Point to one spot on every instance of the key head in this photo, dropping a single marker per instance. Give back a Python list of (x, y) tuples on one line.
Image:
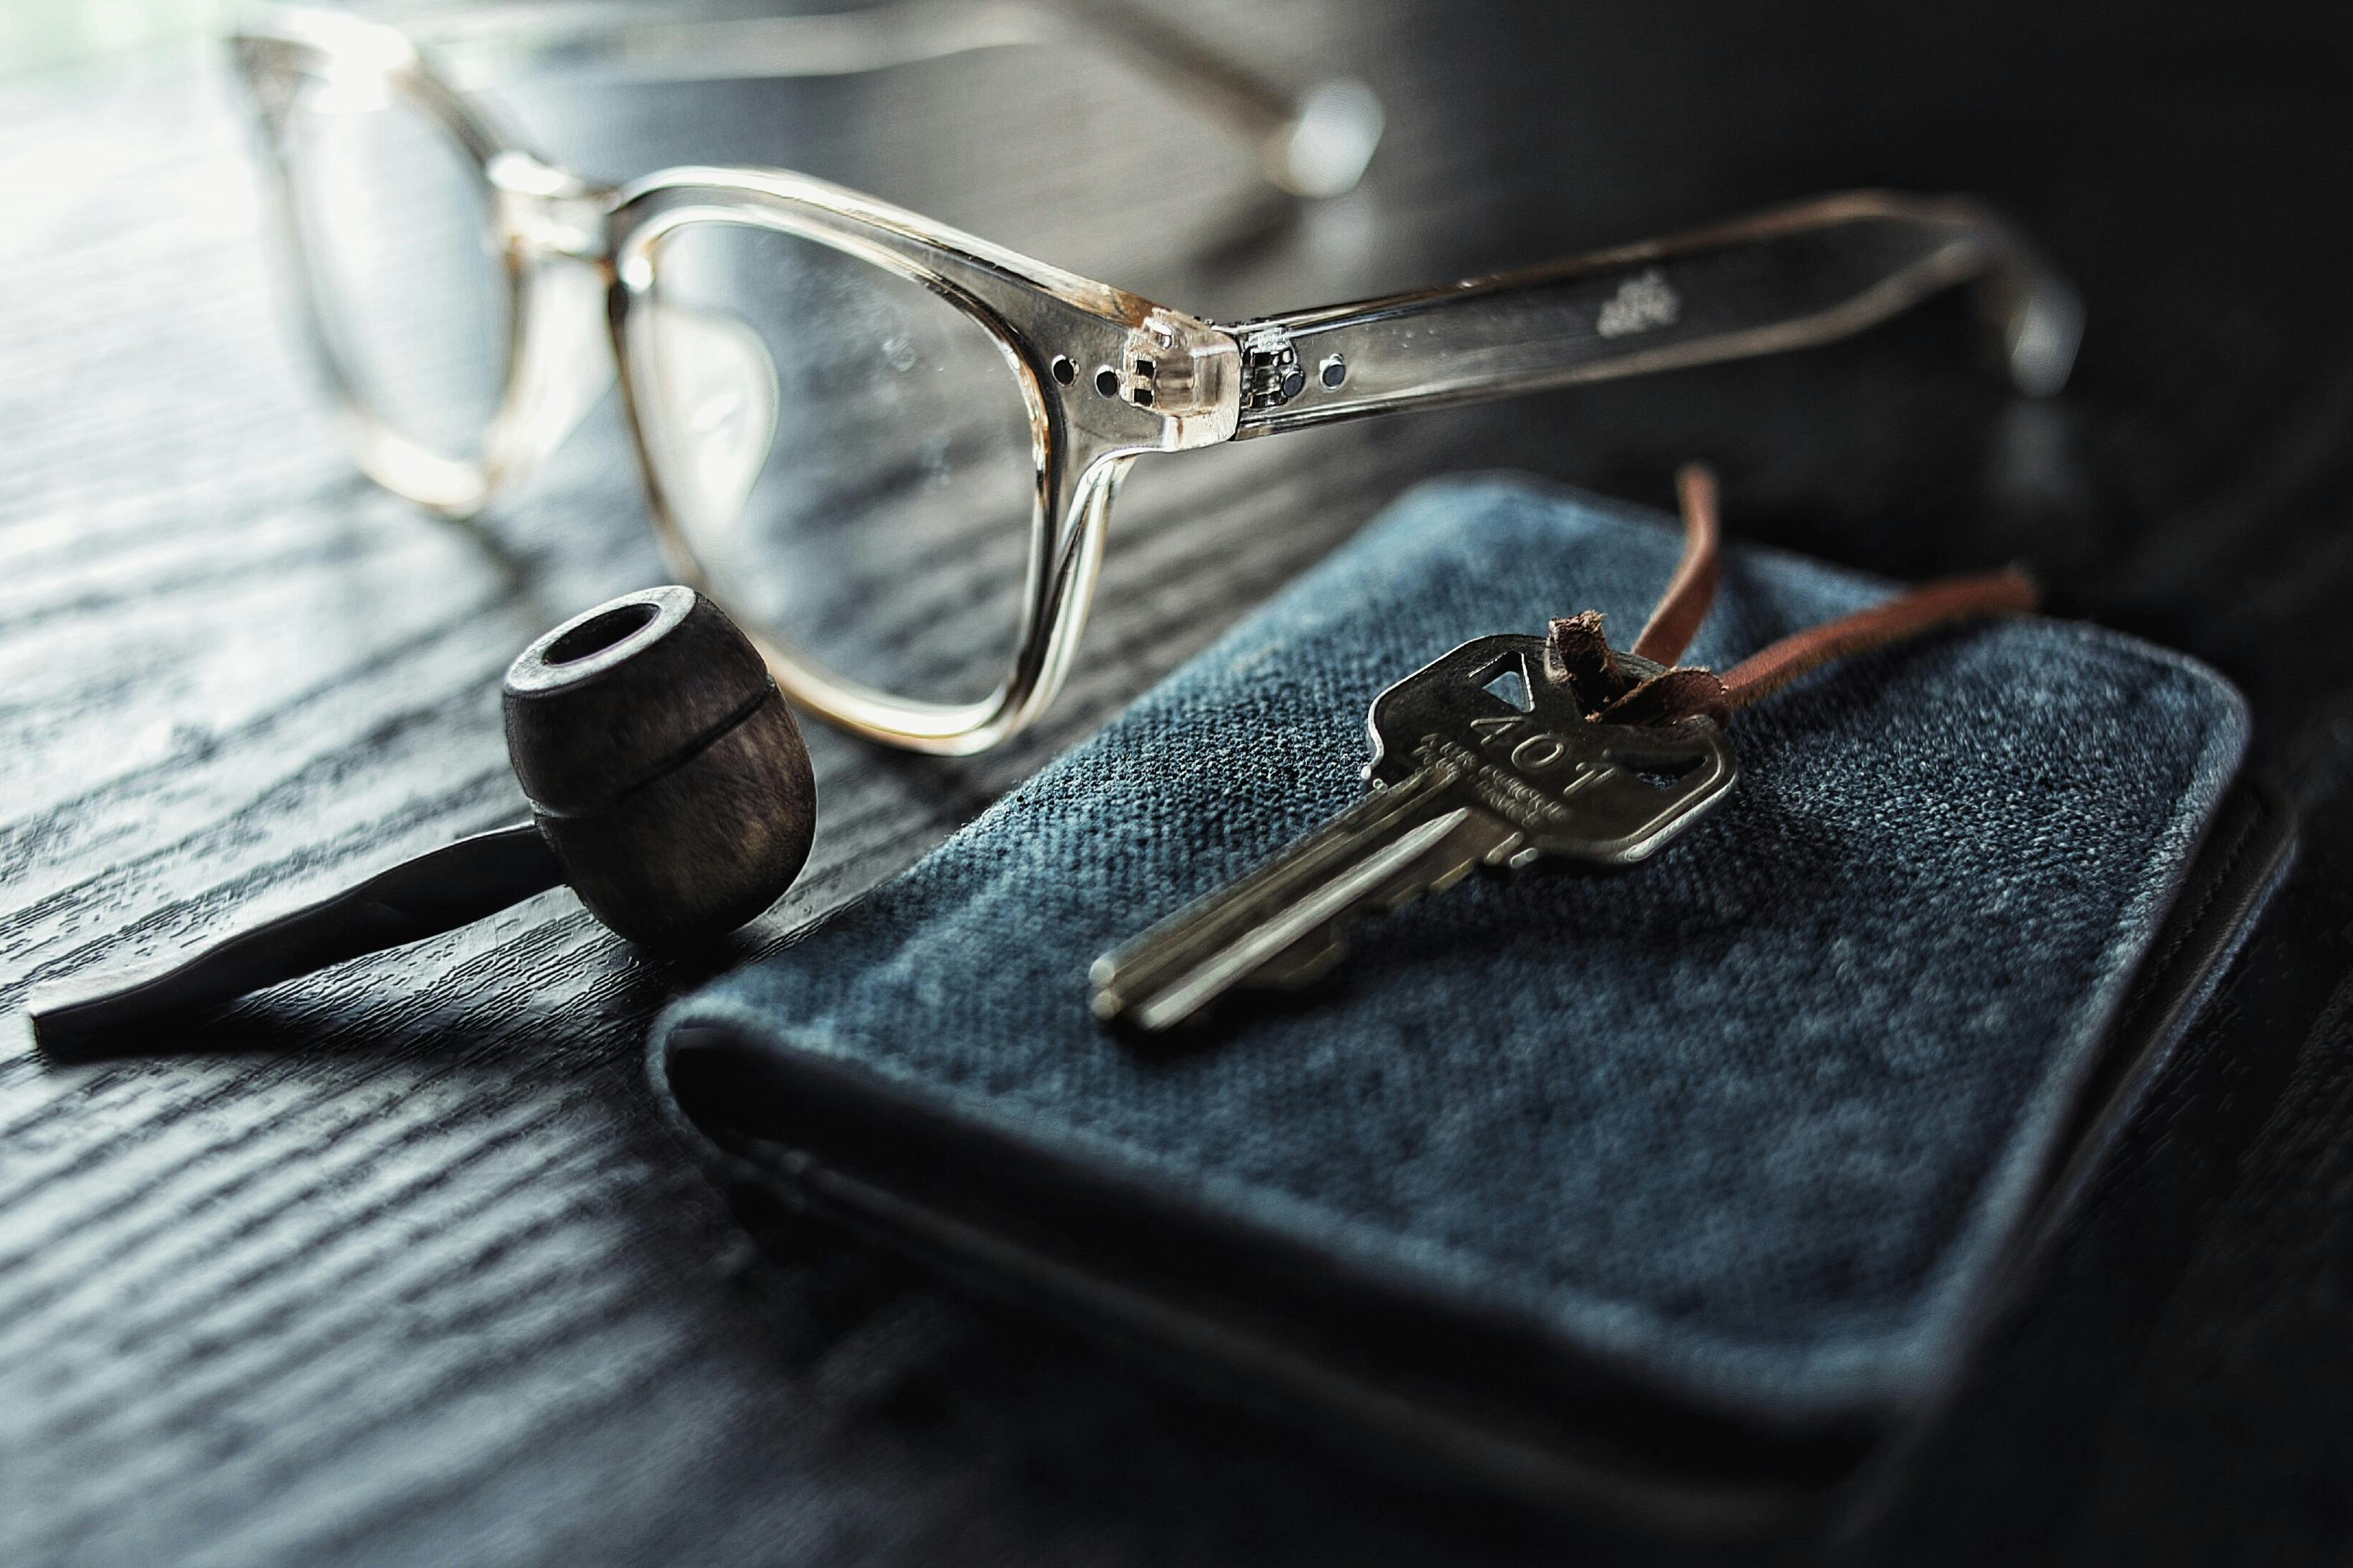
[(1518, 746), (661, 765)]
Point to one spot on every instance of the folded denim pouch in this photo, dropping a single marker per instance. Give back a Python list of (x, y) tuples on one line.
[(1685, 1186)]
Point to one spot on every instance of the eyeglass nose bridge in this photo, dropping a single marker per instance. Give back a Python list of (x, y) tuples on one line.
[(554, 229), (549, 213)]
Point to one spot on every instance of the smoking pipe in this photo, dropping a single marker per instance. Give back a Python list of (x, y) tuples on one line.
[(669, 787)]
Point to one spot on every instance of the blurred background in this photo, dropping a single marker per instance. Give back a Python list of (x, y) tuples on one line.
[(52, 38), (402, 1267)]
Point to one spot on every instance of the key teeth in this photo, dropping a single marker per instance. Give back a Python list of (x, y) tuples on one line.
[(1480, 794), (1290, 973), (1438, 884)]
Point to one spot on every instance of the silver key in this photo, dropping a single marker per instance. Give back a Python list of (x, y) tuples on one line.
[(1464, 777)]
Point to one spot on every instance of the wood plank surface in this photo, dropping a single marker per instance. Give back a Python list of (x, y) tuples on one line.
[(397, 1265)]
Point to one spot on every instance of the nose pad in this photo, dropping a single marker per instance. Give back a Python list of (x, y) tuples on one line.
[(716, 383), (567, 364)]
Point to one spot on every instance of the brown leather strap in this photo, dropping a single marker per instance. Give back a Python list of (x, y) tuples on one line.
[(1577, 655), (2010, 592), (1684, 605)]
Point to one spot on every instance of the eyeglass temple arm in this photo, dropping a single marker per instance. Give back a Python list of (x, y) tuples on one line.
[(1311, 141), (1792, 277)]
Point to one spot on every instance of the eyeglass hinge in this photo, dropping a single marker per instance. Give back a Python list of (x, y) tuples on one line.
[(1271, 374), (1182, 369)]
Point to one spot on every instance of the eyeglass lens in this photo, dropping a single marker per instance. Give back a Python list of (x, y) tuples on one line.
[(411, 292), (848, 454)]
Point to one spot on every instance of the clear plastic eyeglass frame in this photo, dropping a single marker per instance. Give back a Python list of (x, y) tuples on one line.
[(1106, 377)]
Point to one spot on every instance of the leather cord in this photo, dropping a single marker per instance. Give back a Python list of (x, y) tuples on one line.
[(1685, 603), (1576, 654), (2008, 592)]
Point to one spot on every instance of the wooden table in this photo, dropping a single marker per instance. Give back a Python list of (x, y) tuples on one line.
[(396, 1265)]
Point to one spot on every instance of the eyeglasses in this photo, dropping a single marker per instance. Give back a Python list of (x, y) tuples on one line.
[(832, 398)]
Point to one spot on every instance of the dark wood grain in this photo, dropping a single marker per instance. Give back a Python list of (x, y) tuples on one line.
[(396, 1264)]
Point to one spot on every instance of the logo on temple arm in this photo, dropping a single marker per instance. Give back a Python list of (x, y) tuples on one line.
[(1641, 302)]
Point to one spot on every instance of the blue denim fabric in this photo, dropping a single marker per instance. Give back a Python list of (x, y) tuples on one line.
[(1755, 1117)]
